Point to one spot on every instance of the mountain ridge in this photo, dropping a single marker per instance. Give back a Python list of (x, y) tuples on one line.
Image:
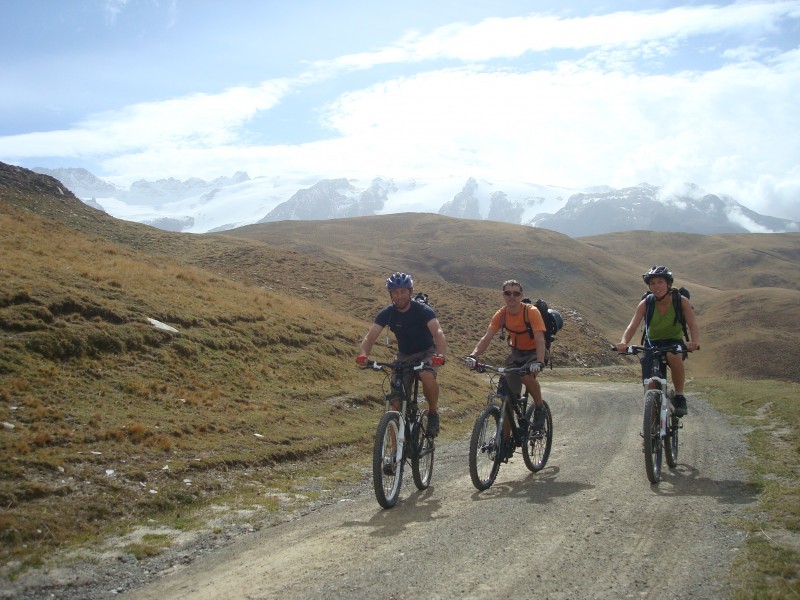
[(226, 203)]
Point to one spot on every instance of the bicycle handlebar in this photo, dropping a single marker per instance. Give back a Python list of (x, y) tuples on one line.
[(481, 367), (674, 349), (378, 365)]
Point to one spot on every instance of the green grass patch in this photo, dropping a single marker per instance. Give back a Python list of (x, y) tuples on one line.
[(768, 567)]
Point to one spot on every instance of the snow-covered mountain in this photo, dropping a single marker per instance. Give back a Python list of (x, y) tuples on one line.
[(647, 207), (198, 206)]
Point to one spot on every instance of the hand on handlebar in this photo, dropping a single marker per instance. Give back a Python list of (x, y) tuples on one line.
[(535, 368), (362, 360), (471, 361), (437, 360)]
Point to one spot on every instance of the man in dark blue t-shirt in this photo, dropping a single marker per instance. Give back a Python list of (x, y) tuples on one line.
[(419, 338)]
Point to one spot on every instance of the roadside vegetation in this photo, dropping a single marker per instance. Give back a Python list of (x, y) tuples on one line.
[(768, 566)]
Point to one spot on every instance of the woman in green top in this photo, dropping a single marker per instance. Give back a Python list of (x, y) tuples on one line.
[(664, 329)]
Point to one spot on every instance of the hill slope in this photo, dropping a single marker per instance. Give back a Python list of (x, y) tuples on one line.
[(111, 420)]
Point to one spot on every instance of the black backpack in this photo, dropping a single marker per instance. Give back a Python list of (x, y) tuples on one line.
[(676, 304), (552, 321), (422, 299)]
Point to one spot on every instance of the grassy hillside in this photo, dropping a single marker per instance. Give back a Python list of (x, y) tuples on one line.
[(745, 288), (725, 262), (108, 420)]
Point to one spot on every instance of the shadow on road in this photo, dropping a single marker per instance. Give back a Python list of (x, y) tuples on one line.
[(420, 506), (685, 480), (539, 488)]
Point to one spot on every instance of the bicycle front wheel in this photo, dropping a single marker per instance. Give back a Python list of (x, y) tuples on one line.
[(484, 448), (387, 469), (422, 453), (536, 449), (651, 433)]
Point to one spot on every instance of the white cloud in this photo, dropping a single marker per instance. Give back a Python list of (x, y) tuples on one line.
[(598, 118)]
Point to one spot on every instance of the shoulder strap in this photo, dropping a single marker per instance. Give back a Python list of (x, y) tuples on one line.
[(650, 306), (677, 303), (525, 308)]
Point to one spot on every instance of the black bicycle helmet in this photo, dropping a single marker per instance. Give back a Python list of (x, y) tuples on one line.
[(399, 280), (658, 272), (559, 320)]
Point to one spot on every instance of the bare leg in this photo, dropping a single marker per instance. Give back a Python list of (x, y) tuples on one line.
[(675, 362), (430, 387)]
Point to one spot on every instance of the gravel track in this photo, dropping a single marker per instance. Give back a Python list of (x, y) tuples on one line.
[(589, 525)]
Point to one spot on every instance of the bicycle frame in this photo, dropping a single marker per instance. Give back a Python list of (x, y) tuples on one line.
[(401, 434), (658, 376), (407, 394), (489, 447), (658, 396), (510, 407)]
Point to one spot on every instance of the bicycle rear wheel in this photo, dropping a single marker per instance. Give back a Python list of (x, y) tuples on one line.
[(484, 449), (651, 432), (536, 449), (387, 470), (422, 452), (671, 442)]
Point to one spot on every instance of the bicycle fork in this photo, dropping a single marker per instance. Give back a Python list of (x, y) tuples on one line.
[(401, 430)]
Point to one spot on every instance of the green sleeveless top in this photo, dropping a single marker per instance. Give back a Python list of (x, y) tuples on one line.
[(664, 327)]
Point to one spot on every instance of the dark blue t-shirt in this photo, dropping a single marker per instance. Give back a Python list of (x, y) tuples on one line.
[(410, 327)]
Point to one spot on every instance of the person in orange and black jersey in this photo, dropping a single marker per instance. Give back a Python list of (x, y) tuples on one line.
[(526, 329)]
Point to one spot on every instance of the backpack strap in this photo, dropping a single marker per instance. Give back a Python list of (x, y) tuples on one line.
[(528, 327), (677, 303)]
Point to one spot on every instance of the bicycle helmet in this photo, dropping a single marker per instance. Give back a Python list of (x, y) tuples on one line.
[(559, 320), (659, 272), (399, 280)]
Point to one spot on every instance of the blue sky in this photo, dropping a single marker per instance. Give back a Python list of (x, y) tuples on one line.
[(544, 91)]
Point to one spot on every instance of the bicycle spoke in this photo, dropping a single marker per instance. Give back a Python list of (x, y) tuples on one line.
[(422, 453), (484, 458), (387, 470)]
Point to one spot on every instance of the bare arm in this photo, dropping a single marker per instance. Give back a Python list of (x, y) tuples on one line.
[(369, 339), (538, 337), (638, 315), (438, 336), (691, 323), (484, 342)]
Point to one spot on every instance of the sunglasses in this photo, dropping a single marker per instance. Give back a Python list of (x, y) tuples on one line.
[(514, 293)]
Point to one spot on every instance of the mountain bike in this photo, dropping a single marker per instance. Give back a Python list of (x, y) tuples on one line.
[(489, 446), (660, 425), (402, 434)]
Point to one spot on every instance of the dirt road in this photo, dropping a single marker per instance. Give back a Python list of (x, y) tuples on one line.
[(588, 526)]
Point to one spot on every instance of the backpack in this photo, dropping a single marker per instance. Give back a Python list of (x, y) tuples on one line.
[(422, 299), (676, 304), (552, 320)]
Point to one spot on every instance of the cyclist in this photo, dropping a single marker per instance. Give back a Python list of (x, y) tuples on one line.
[(664, 329), (526, 337), (419, 338)]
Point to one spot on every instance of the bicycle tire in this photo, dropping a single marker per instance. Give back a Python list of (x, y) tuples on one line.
[(387, 475), (671, 442), (536, 449), (484, 451), (422, 453), (651, 432)]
